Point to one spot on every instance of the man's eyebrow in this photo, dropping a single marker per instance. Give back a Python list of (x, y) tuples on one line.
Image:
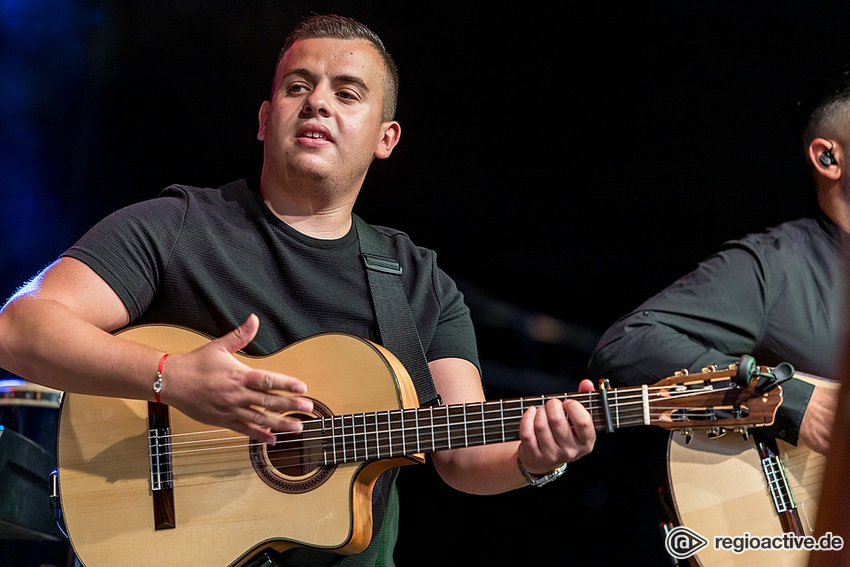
[(352, 79), (298, 71)]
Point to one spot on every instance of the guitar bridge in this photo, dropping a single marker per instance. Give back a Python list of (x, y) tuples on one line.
[(162, 477), (777, 483), (778, 486)]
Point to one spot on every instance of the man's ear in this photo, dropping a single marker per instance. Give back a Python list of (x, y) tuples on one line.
[(825, 156), (263, 117), (390, 135)]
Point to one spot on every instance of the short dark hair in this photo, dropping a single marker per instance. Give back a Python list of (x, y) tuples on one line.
[(824, 108), (340, 27)]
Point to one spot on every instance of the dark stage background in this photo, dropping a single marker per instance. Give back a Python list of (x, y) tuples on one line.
[(566, 162)]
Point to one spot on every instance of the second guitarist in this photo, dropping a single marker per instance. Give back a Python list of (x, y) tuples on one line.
[(779, 295)]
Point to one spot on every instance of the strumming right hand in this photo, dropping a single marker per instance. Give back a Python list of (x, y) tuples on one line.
[(210, 385)]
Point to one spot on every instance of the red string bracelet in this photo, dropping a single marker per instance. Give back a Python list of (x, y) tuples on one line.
[(157, 385)]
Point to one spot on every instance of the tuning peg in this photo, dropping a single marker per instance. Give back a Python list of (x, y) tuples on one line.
[(745, 432), (688, 433), (715, 432), (709, 368)]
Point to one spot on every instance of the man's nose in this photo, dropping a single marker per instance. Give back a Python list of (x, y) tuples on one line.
[(316, 102)]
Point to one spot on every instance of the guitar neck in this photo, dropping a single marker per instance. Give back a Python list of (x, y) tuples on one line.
[(397, 433)]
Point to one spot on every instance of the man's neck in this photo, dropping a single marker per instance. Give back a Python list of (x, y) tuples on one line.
[(312, 212), (834, 202)]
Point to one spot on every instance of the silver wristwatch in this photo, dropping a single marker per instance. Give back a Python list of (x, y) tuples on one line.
[(539, 480)]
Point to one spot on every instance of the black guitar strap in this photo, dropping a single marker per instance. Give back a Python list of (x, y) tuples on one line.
[(395, 321)]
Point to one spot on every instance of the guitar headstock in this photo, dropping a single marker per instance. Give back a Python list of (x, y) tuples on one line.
[(713, 398)]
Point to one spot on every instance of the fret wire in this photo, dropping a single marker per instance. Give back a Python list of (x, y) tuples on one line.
[(346, 446), (431, 421), (502, 415), (364, 436), (617, 406), (354, 425), (448, 437), (395, 430), (473, 426), (348, 431), (414, 429), (354, 437), (373, 430), (449, 425), (418, 445), (338, 425), (333, 438), (340, 437), (366, 453), (403, 436), (344, 439), (377, 437), (323, 444), (389, 434), (481, 424), (465, 430)]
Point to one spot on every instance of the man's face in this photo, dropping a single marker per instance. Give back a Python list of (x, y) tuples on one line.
[(323, 122)]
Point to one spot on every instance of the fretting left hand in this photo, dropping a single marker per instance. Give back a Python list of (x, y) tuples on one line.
[(556, 433)]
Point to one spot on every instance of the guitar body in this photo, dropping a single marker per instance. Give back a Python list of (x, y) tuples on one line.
[(718, 488), (224, 512)]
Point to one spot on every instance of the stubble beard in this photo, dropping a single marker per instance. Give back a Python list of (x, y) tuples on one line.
[(324, 181), (314, 178)]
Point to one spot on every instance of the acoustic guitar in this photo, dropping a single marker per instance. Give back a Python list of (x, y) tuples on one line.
[(142, 484), (732, 485)]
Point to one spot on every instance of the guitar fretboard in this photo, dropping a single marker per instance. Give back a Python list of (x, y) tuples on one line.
[(395, 433)]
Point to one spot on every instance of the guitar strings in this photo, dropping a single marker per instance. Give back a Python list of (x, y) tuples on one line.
[(526, 402), (808, 470), (597, 421), (628, 413)]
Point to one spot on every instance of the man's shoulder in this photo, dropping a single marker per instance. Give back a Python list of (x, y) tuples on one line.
[(400, 242), (791, 233), (391, 233), (235, 200), (235, 189)]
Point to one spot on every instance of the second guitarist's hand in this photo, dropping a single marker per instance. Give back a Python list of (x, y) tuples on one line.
[(210, 385), (816, 426)]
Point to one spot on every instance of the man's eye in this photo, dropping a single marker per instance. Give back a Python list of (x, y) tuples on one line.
[(297, 88)]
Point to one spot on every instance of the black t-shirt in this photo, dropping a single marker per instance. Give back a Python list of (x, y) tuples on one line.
[(207, 258)]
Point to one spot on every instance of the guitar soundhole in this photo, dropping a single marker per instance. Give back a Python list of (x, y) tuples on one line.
[(296, 463)]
